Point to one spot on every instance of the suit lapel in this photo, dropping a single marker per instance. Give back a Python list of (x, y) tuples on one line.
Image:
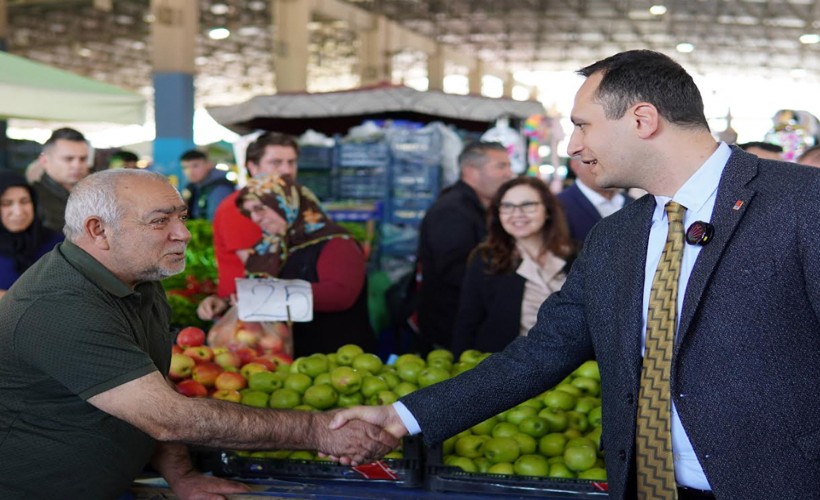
[(733, 198)]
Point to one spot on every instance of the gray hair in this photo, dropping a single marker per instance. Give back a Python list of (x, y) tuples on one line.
[(96, 195)]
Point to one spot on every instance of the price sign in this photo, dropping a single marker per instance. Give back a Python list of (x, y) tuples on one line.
[(271, 299)]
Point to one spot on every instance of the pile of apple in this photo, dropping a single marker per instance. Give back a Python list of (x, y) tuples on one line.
[(555, 434)]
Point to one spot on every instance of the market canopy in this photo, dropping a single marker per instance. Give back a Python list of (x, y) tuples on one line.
[(30, 90), (336, 112)]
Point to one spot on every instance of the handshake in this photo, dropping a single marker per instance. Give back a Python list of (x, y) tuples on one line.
[(358, 435)]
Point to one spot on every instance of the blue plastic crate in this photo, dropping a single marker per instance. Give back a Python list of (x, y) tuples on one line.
[(364, 154), (315, 158), (408, 210), (415, 146), (411, 179), (362, 183)]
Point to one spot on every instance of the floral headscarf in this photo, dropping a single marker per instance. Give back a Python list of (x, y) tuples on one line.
[(307, 224)]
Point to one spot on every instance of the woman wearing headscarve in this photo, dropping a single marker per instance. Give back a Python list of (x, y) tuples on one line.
[(23, 238), (299, 241)]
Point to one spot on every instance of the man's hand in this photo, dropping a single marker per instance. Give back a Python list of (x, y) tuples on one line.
[(210, 307), (196, 486), (354, 442), (383, 416)]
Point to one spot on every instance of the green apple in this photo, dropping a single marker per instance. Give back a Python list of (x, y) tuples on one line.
[(346, 380), (305, 407), (298, 382), (595, 436), (251, 368), (346, 353), (589, 370), (404, 388), (442, 363), (302, 455), (517, 414), (382, 398), (531, 465), (534, 402), (395, 455), (391, 377), (320, 396), (257, 399), (585, 404), (372, 385), (557, 419), (594, 416), (409, 358), (482, 464), (579, 458), (534, 426), (322, 378), (277, 454), (440, 354), (581, 441), (573, 433), (432, 375), (469, 446), (559, 400), (471, 356), (561, 470), (264, 381), (409, 371), (348, 400), (504, 429), (578, 421), (448, 445), (464, 464), (501, 449), (569, 389), (460, 367), (369, 363), (552, 445), (588, 386), (285, 398), (313, 365), (593, 474), (504, 468), (485, 427), (526, 443)]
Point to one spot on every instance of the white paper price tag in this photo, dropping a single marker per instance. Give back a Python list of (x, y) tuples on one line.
[(271, 299)]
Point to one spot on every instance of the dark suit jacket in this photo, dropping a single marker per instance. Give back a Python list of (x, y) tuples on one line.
[(746, 365), (489, 314), (581, 214), (451, 228)]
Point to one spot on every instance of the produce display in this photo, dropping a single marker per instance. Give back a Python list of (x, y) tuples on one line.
[(187, 289)]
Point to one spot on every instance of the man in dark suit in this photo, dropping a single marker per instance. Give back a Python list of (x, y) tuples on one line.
[(451, 228), (585, 203), (746, 359)]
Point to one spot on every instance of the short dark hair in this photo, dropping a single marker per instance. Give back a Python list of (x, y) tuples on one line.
[(475, 153), (765, 146), (256, 149), (124, 156), (645, 75), (193, 154), (64, 134)]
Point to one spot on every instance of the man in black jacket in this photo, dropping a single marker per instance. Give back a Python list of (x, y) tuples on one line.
[(452, 227)]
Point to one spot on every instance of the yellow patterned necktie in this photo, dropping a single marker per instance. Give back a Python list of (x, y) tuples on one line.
[(653, 441)]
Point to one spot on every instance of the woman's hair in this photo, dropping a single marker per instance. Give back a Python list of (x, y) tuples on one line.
[(499, 248)]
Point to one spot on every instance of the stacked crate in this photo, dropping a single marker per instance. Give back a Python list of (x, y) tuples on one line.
[(363, 169), (317, 172)]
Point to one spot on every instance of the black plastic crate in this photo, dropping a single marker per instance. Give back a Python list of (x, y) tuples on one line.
[(440, 477), (405, 472)]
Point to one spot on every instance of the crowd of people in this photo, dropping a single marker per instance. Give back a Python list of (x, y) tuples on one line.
[(545, 281)]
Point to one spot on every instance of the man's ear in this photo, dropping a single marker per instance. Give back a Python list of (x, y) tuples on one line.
[(97, 231), (646, 119)]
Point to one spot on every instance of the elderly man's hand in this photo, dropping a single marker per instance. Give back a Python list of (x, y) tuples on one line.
[(354, 442)]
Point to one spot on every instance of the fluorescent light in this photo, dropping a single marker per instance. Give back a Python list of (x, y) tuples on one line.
[(685, 47), (219, 33), (657, 10), (809, 38)]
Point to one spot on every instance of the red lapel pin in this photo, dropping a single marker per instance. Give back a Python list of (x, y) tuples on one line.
[(738, 204)]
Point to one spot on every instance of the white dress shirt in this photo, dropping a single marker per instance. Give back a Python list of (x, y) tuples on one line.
[(698, 195), (605, 206)]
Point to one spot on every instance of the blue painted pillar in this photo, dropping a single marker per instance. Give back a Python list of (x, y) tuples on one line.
[(174, 31)]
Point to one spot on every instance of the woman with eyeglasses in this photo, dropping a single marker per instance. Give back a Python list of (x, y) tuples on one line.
[(23, 238), (523, 260)]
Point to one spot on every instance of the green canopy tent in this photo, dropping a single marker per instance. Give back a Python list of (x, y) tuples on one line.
[(35, 91)]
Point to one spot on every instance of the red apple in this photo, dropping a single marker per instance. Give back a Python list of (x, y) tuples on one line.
[(230, 380), (246, 337), (191, 337), (246, 354), (200, 353), (227, 395), (192, 389), (267, 362), (175, 349), (206, 373), (181, 366), (251, 368), (227, 359), (281, 359), (271, 343)]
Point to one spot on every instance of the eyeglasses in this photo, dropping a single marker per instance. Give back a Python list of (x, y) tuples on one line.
[(528, 207)]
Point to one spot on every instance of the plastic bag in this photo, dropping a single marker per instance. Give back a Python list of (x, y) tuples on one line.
[(264, 336)]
